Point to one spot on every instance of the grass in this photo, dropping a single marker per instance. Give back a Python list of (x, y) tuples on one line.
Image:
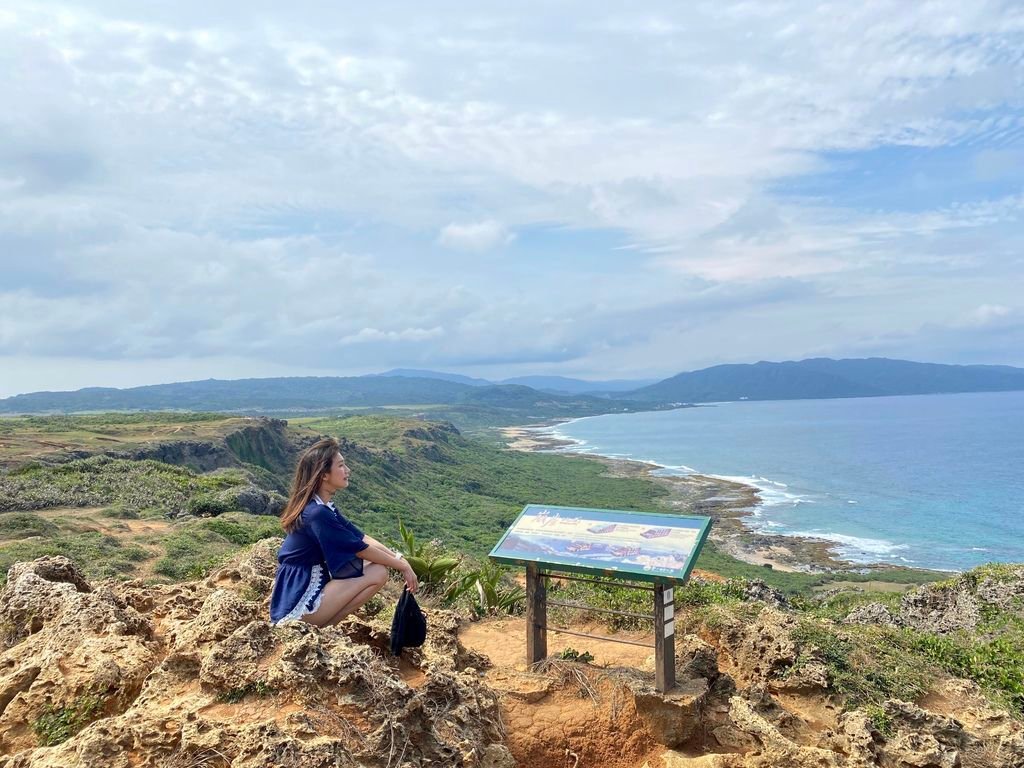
[(866, 665), (28, 438), (97, 554), (21, 525), (235, 695), (56, 725), (103, 481), (197, 547)]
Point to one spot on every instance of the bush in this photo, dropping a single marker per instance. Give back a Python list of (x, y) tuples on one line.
[(242, 529), (208, 505), (21, 525), (192, 553)]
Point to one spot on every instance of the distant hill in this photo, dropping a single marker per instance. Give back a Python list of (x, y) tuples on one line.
[(559, 384), (578, 386), (464, 404), (415, 373), (241, 395), (826, 378)]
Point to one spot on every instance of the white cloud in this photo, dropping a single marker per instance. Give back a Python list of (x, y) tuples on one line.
[(477, 236), (366, 335), (985, 315), (186, 180)]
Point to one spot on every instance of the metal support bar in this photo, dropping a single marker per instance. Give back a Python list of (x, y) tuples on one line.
[(606, 638), (647, 616)]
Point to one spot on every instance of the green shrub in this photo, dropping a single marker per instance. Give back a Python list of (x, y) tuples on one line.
[(571, 654), (243, 529), (866, 665), (21, 525), (56, 725), (119, 512), (208, 505), (192, 552)]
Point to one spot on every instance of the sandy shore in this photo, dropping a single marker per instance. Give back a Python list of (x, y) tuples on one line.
[(726, 503)]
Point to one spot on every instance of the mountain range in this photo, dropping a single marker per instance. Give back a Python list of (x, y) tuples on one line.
[(538, 396)]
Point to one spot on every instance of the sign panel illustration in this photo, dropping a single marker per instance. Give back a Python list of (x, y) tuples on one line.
[(640, 545)]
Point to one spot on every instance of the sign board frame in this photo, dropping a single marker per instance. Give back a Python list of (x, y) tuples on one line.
[(632, 574)]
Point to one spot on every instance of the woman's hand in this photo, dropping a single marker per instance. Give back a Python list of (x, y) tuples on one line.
[(411, 582)]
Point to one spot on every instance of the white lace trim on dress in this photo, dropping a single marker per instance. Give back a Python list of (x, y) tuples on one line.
[(300, 610)]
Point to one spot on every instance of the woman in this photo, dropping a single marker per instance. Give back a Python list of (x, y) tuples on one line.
[(326, 566)]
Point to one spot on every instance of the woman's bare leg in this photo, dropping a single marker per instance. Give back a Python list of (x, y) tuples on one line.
[(359, 599), (342, 596)]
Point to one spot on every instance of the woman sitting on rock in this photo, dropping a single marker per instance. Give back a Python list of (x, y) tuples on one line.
[(326, 566)]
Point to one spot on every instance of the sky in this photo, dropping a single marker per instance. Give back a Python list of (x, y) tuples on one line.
[(197, 190)]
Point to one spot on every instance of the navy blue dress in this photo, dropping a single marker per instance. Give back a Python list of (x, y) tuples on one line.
[(323, 546)]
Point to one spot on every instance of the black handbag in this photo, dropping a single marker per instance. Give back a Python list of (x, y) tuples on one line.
[(409, 627)]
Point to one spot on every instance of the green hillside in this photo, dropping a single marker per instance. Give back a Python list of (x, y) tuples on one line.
[(824, 378)]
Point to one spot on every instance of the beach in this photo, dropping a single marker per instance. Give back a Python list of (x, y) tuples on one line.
[(726, 502)]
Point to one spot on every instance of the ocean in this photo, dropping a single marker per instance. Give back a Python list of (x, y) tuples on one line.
[(930, 481)]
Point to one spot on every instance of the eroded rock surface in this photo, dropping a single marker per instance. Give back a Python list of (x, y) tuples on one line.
[(951, 606), (194, 674)]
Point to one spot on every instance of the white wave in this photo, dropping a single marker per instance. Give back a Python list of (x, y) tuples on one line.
[(771, 495), (851, 546), (851, 501)]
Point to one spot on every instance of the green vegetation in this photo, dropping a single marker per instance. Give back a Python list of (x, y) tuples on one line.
[(432, 567), (102, 481), (98, 555), (461, 492), (866, 665), (21, 525), (712, 559), (101, 423), (445, 499), (235, 695), (195, 548), (571, 654), (58, 724), (626, 599), (455, 494)]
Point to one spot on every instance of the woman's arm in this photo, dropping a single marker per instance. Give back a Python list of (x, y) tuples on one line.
[(377, 553), (374, 543)]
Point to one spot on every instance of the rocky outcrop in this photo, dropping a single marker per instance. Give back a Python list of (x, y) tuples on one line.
[(955, 605), (873, 613), (757, 590), (763, 651), (193, 674)]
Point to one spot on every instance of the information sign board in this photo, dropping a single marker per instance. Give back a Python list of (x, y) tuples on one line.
[(644, 546)]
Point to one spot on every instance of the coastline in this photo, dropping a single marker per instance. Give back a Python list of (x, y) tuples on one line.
[(726, 502)]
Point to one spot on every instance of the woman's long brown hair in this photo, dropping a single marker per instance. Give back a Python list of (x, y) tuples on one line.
[(314, 463)]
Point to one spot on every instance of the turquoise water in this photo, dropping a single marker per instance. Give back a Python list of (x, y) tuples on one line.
[(933, 481)]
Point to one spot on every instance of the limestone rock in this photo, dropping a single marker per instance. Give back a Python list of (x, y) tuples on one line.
[(873, 613), (758, 591), (958, 605), (192, 674), (763, 650)]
